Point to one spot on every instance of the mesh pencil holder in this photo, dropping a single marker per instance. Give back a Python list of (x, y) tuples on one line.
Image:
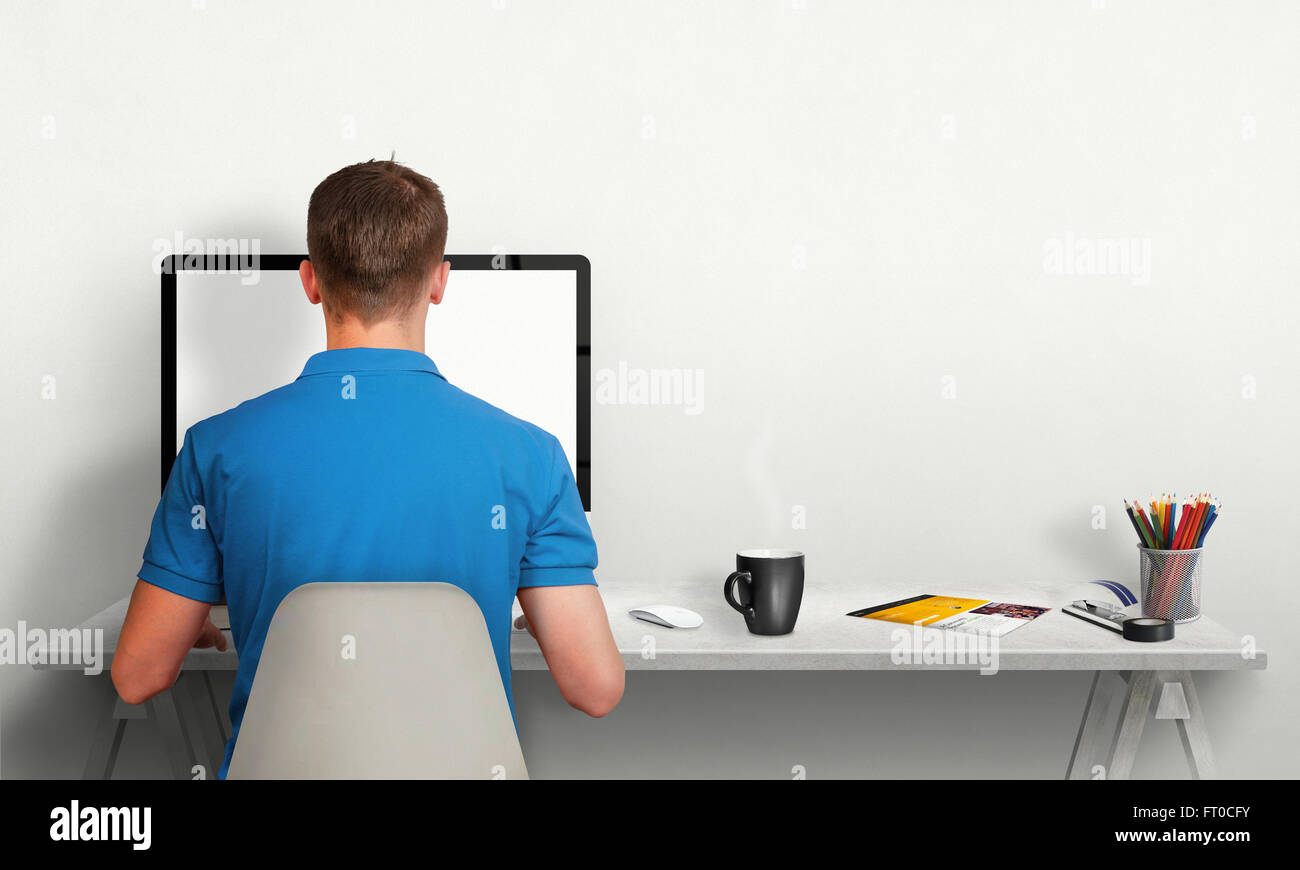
[(1171, 584)]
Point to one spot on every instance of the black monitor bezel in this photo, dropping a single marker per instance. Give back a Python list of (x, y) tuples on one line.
[(575, 263)]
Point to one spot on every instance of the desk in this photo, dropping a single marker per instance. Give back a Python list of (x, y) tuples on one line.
[(192, 721), (1139, 676)]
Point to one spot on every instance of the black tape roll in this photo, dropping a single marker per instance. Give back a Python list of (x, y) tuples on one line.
[(1148, 629)]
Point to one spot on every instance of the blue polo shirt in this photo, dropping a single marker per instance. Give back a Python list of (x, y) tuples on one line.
[(370, 466)]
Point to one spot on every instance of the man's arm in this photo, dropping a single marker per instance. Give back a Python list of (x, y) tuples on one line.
[(572, 629), (160, 628)]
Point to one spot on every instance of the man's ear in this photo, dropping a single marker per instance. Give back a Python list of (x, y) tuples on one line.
[(438, 283), (308, 276)]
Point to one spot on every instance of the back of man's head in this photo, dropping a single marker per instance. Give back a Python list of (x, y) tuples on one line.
[(375, 230)]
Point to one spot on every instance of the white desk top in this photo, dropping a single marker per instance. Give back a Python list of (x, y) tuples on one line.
[(826, 639)]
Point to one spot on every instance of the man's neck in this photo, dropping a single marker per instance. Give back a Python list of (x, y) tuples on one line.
[(398, 334)]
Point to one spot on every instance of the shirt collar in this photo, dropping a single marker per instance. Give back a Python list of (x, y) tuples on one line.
[(369, 359)]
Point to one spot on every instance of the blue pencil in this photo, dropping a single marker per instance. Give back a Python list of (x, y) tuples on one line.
[(1214, 515)]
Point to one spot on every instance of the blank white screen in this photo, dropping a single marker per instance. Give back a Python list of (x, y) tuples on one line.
[(507, 336)]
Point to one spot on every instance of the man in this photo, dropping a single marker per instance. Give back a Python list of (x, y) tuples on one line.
[(370, 466)]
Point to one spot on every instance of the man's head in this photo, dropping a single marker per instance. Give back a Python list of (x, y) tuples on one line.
[(376, 232)]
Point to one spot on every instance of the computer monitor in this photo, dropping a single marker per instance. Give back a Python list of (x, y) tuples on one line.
[(514, 330)]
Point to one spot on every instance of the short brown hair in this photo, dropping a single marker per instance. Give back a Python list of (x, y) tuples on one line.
[(375, 230)]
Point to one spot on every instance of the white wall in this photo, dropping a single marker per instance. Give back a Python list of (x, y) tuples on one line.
[(828, 207)]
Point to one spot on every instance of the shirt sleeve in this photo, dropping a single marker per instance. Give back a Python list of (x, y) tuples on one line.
[(560, 551), (182, 555)]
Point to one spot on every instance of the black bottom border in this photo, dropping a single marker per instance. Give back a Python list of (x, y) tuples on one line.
[(910, 819)]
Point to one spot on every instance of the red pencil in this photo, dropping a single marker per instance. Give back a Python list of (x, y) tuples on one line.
[(1197, 516), (1151, 529), (1185, 522), (1201, 516), (1164, 593)]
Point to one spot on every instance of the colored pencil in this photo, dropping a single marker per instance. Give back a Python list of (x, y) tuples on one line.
[(1200, 523), (1170, 509), (1148, 532), (1214, 515), (1181, 532), (1166, 524), (1189, 512), (1142, 524), (1132, 519), (1151, 529), (1192, 522)]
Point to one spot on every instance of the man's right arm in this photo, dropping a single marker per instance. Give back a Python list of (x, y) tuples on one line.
[(572, 629)]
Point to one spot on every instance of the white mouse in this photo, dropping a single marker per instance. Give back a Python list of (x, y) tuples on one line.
[(669, 616)]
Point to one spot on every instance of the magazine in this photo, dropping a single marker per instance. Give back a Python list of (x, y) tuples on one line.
[(971, 615)]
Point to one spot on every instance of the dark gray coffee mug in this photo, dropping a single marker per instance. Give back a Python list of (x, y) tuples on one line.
[(767, 587)]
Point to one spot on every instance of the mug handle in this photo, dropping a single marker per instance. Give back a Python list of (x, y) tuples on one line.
[(729, 592)]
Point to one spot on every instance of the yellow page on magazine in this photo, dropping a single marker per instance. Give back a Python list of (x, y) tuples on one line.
[(954, 614)]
